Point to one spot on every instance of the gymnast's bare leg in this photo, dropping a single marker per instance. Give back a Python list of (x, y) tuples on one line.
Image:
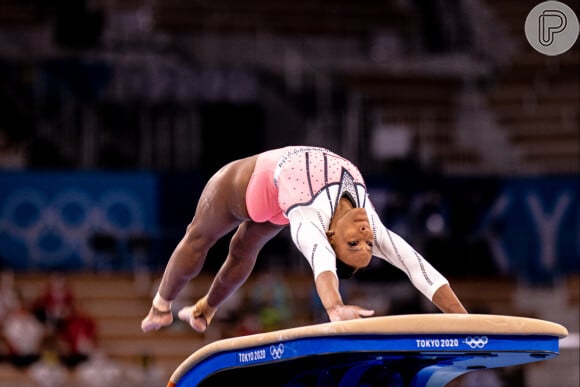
[(245, 245), (221, 207)]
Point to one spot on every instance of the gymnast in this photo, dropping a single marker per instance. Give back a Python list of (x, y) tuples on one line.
[(323, 197)]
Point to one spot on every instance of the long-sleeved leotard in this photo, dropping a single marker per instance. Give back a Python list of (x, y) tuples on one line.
[(302, 186)]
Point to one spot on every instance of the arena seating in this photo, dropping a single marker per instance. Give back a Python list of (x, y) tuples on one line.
[(537, 99), (315, 18), (426, 104), (17, 14), (118, 303)]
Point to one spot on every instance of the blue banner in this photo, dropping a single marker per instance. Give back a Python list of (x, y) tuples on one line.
[(48, 220), (528, 226), (539, 236)]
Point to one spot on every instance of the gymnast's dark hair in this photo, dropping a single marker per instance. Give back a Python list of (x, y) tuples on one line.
[(344, 271)]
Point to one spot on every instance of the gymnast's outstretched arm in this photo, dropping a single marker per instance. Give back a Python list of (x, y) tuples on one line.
[(327, 288), (395, 250), (309, 237), (446, 300)]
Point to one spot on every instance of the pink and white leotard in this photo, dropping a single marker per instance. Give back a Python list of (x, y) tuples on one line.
[(302, 186)]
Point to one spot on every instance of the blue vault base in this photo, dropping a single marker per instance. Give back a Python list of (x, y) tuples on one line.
[(412, 350)]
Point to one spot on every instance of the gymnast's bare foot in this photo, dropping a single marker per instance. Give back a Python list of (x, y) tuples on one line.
[(198, 316), (156, 319), (194, 318)]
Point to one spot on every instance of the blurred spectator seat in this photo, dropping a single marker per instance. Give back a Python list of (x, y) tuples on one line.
[(55, 303), (78, 338), (23, 335)]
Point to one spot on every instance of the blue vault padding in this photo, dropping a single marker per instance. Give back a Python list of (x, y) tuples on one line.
[(380, 351)]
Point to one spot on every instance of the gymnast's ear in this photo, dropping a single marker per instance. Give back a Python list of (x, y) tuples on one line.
[(329, 235)]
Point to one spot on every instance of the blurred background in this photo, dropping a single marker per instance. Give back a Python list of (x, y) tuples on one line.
[(114, 113)]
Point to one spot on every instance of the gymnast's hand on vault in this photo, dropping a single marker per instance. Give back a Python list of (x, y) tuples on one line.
[(348, 312)]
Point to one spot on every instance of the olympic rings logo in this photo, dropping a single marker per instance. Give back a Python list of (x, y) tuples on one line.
[(53, 228), (277, 351), (476, 341)]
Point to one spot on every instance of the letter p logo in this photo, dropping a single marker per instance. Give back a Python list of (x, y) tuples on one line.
[(551, 22), (551, 28)]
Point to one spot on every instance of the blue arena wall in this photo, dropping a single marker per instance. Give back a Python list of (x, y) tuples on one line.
[(528, 226)]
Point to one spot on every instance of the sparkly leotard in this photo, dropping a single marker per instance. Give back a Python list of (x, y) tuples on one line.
[(302, 186)]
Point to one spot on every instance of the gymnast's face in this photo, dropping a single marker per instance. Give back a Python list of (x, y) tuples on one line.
[(352, 239)]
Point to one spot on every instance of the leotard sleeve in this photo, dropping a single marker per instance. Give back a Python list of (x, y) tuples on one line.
[(307, 229), (395, 250)]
